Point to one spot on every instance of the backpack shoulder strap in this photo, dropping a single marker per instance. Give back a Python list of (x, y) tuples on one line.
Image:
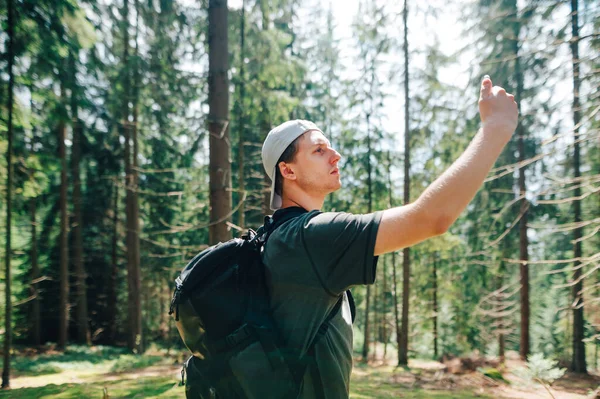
[(310, 353), (273, 222)]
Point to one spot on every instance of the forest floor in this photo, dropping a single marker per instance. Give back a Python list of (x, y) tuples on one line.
[(105, 372)]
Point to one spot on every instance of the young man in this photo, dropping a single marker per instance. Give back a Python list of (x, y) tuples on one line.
[(312, 259)]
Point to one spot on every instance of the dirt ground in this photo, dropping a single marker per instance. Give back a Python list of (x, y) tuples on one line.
[(430, 375), (422, 375)]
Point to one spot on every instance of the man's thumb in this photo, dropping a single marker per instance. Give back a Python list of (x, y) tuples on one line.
[(486, 87)]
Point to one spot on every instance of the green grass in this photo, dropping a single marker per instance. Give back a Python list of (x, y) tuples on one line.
[(148, 388), (74, 358), (167, 388), (83, 372), (97, 369), (134, 362)]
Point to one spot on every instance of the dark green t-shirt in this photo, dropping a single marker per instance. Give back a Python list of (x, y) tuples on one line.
[(310, 261)]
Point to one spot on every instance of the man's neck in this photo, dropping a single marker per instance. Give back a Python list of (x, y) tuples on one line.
[(304, 201)]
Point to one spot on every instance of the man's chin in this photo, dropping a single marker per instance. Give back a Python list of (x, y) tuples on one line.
[(336, 187)]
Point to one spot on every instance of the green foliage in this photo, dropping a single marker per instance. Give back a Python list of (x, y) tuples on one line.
[(541, 369)]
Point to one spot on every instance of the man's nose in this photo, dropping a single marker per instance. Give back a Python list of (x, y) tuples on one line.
[(335, 157)]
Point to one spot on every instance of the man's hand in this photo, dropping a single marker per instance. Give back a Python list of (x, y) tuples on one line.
[(498, 110), (444, 200)]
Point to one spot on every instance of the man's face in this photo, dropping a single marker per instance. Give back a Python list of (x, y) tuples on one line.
[(316, 164)]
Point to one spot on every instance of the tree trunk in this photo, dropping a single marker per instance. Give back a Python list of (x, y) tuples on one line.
[(218, 122), (523, 239), (403, 351), (265, 126), (135, 207), (241, 124), (112, 282), (135, 225), (9, 176), (35, 332), (265, 118), (134, 336), (81, 315), (384, 332), (34, 317), (435, 308), (500, 306), (394, 271), (64, 232), (578, 363), (366, 342), (396, 313)]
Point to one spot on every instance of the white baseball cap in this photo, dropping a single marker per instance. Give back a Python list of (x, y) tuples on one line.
[(276, 143)]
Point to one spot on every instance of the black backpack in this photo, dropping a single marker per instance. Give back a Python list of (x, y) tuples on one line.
[(222, 311)]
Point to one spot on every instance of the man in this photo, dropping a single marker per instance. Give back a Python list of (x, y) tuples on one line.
[(312, 259)]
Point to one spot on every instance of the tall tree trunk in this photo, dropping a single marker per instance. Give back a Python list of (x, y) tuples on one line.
[(34, 317), (384, 332), (394, 271), (218, 122), (135, 207), (241, 123), (114, 271), (523, 240), (134, 336), (35, 332), (9, 176), (135, 226), (265, 118), (81, 314), (366, 342), (435, 307), (403, 351), (396, 311), (266, 184), (500, 307), (64, 226), (578, 363)]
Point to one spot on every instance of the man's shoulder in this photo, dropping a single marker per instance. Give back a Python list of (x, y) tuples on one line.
[(319, 219), (321, 225)]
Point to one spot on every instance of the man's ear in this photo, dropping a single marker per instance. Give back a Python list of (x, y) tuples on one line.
[(286, 170)]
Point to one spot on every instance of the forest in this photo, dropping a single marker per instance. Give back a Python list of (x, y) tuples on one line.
[(131, 133)]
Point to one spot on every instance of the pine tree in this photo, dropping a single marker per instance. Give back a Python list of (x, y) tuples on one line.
[(9, 177), (218, 124), (578, 363), (61, 131), (403, 349), (81, 315)]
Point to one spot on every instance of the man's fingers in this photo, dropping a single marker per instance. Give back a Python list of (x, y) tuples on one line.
[(486, 87), (499, 91)]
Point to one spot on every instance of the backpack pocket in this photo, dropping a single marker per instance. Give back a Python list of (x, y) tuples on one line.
[(198, 385), (261, 370)]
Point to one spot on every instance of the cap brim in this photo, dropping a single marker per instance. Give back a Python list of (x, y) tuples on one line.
[(276, 201)]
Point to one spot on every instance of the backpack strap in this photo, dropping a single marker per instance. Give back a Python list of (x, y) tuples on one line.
[(273, 222), (310, 359)]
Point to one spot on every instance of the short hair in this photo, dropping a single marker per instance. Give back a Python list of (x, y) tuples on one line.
[(288, 156)]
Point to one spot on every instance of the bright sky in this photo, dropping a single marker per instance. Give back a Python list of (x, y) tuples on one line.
[(422, 31)]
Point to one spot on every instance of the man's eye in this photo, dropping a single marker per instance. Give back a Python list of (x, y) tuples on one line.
[(319, 149)]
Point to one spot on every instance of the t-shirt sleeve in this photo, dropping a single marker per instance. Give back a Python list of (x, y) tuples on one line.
[(341, 249)]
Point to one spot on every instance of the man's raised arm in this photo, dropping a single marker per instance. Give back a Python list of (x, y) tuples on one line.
[(445, 199)]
